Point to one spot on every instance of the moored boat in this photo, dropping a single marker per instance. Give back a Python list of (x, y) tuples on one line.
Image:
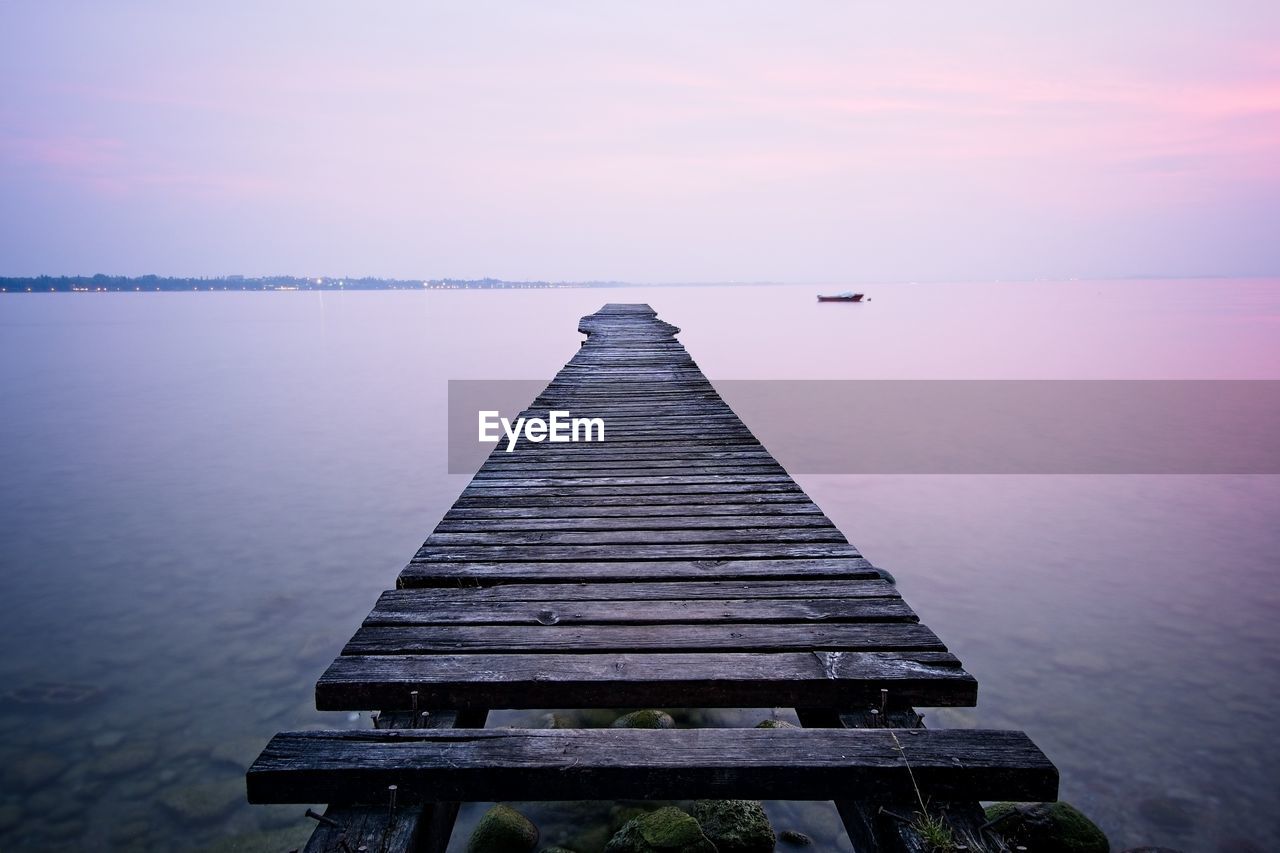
[(847, 296)]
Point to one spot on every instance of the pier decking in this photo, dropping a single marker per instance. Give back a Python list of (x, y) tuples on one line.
[(676, 564)]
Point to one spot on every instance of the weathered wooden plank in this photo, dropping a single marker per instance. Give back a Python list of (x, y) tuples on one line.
[(546, 454), (679, 482), (577, 764), (729, 637), (701, 534), (521, 463), (483, 498), (409, 607), (506, 490), (691, 590), (482, 571), (782, 525), (701, 679), (748, 513), (449, 553)]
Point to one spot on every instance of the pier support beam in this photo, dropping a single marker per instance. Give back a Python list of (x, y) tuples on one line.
[(875, 827), (419, 828)]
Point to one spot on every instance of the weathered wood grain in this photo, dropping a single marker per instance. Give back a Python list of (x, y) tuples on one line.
[(733, 636), (701, 534), (699, 679), (484, 571), (410, 607), (782, 524), (649, 591), (637, 551), (581, 764)]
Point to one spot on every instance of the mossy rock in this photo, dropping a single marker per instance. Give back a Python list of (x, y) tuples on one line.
[(556, 850), (735, 826), (502, 829), (1048, 827), (775, 724), (667, 830), (647, 719)]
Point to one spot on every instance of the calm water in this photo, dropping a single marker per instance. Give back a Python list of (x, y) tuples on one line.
[(204, 493)]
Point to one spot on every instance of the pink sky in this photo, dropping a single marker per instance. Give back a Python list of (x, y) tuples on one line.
[(647, 142)]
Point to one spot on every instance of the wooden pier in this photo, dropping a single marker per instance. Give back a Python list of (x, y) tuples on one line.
[(675, 565)]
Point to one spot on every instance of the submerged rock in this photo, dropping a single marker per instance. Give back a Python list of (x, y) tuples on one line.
[(10, 816), (502, 829), (108, 739), (51, 804), (667, 830), (238, 752), (799, 839), (1048, 827), (1172, 814), (1236, 845), (130, 834), (254, 842), (130, 757), (204, 802), (647, 719), (735, 826), (64, 831), (33, 769), (775, 724), (53, 694)]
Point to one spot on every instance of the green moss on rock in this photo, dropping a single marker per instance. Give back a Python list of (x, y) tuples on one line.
[(735, 826), (502, 829), (667, 830), (1048, 827), (775, 724), (647, 719)]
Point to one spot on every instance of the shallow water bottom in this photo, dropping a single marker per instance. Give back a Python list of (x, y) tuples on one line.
[(585, 827)]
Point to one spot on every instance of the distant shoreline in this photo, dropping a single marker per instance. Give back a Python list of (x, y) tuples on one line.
[(131, 284), (335, 284)]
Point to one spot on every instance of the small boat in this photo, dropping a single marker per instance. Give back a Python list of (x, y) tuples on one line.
[(847, 296)]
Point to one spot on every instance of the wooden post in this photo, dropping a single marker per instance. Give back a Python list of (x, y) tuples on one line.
[(418, 828)]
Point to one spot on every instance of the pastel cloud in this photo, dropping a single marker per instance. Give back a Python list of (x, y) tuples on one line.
[(770, 132)]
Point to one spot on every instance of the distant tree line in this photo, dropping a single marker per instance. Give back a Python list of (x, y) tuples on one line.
[(119, 283)]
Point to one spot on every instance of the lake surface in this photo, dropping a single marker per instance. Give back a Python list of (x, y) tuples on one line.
[(204, 493)]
